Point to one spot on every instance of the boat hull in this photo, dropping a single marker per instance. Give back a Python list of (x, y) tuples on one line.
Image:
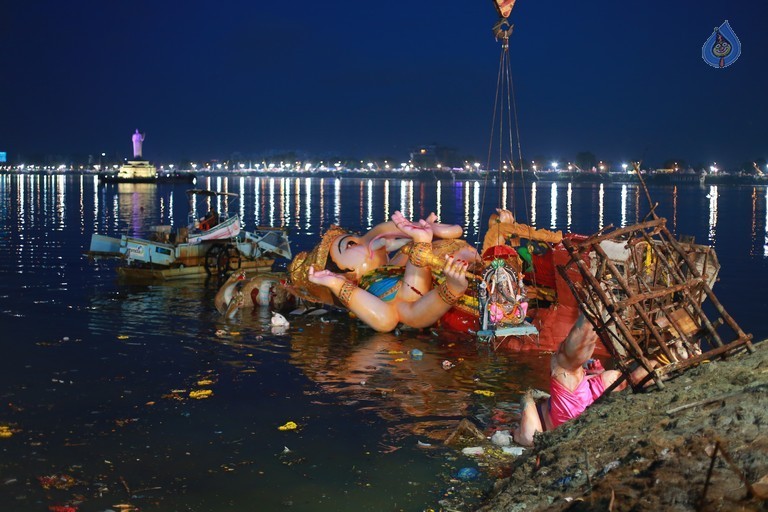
[(183, 272)]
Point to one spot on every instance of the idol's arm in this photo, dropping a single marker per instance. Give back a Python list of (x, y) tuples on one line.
[(428, 309), (376, 313)]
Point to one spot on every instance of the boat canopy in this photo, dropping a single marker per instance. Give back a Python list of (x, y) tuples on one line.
[(211, 193)]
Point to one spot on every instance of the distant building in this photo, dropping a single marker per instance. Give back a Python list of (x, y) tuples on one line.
[(433, 156)]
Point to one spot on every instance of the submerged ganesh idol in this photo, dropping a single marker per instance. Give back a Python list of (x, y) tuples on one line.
[(433, 275), (357, 272)]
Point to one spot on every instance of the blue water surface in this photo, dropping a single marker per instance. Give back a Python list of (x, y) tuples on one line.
[(98, 372)]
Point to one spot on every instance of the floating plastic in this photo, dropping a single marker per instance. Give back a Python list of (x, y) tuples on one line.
[(279, 320), (288, 426), (473, 450), (416, 354), (501, 438), (467, 474), (515, 451)]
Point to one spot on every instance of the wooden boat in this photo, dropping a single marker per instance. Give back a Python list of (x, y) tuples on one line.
[(212, 246)]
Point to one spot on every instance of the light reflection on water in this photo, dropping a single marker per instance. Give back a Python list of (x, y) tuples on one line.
[(96, 366)]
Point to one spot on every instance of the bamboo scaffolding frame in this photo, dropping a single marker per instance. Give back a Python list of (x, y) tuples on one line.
[(636, 307)]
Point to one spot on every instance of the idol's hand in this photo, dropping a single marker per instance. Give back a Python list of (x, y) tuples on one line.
[(419, 232), (505, 216), (455, 275), (325, 278), (445, 231)]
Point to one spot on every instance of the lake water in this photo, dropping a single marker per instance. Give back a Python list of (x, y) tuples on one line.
[(97, 372)]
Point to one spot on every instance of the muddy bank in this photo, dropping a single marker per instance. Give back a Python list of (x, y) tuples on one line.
[(652, 451)]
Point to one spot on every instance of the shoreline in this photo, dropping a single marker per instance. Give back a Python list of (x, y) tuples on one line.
[(651, 451), (658, 179)]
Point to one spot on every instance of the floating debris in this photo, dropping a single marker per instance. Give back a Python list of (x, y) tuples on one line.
[(61, 482), (199, 394), (501, 438), (467, 474), (288, 426), (279, 320)]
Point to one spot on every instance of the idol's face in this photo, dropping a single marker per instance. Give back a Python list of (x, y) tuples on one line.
[(352, 253)]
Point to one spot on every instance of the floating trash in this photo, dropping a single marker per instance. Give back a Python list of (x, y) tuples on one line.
[(473, 450), (447, 365), (416, 354), (288, 426), (467, 474), (279, 320), (501, 438), (199, 394), (62, 508), (61, 482), (515, 451)]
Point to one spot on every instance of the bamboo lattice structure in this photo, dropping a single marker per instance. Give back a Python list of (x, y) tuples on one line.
[(646, 295)]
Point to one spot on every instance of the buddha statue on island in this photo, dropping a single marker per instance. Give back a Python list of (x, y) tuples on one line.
[(137, 139)]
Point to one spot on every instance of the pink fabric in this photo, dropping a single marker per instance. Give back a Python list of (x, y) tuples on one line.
[(565, 405)]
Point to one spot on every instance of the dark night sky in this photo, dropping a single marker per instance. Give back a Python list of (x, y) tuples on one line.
[(205, 79)]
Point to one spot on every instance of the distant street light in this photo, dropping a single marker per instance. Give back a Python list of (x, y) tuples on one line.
[(554, 165)]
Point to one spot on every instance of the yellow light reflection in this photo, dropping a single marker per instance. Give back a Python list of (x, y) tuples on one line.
[(403, 199), (553, 207), (257, 201), (272, 202), (386, 199), (623, 205), (569, 205), (308, 187), (712, 214), (601, 206), (369, 217), (476, 206), (337, 201), (765, 243), (465, 223), (322, 206), (504, 195)]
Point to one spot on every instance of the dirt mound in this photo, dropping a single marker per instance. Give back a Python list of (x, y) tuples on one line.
[(653, 451)]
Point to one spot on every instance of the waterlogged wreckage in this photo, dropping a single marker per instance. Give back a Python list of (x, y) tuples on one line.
[(214, 245), (645, 292)]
